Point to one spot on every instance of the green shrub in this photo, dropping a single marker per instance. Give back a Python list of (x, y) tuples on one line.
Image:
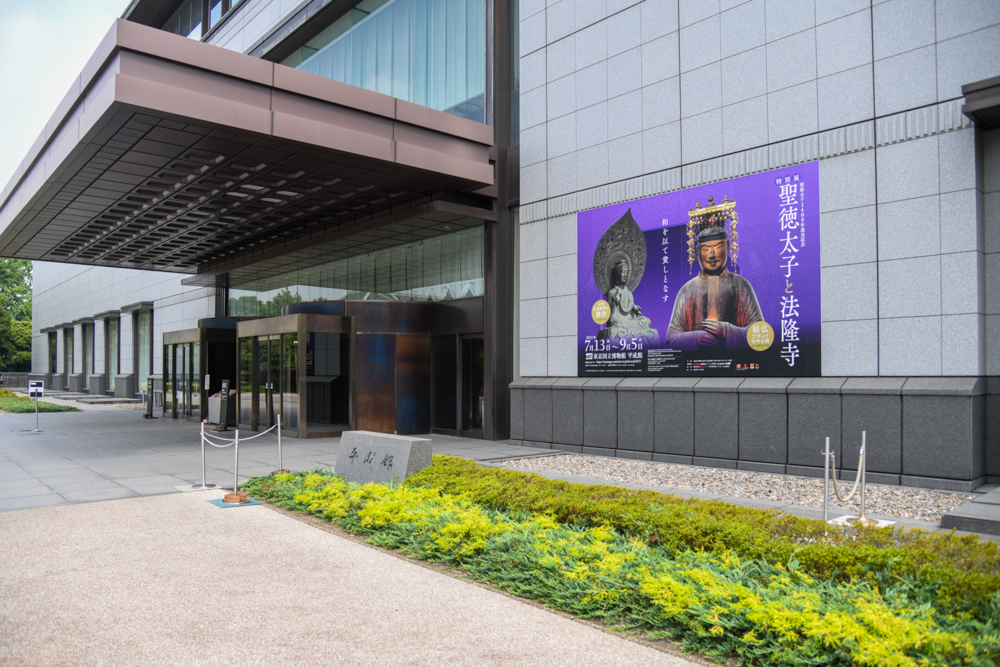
[(963, 571), (714, 602)]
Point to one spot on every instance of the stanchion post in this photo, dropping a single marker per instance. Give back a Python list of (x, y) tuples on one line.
[(203, 455), (864, 466), (826, 482), (280, 465), (236, 464), (36, 413)]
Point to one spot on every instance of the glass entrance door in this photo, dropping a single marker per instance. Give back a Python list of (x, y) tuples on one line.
[(267, 388), (473, 386)]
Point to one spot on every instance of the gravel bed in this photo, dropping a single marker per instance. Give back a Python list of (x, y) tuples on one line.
[(126, 406), (891, 501)]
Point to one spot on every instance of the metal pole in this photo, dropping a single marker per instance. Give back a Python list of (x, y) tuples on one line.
[(826, 482), (280, 466), (36, 412), (236, 465), (864, 465), (203, 455)]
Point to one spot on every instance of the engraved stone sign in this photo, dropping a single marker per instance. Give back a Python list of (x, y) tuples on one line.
[(381, 458)]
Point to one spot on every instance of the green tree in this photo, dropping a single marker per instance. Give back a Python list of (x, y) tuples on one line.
[(15, 340), (15, 284)]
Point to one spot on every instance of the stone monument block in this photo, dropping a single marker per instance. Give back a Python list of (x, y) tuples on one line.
[(380, 458)]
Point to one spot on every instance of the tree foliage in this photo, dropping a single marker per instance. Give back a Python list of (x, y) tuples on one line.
[(15, 285), (15, 340)]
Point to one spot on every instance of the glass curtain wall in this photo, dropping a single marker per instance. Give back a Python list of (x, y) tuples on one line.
[(430, 52), (53, 352), (187, 21), (68, 352), (143, 348), (88, 354), (290, 381), (438, 269), (168, 380), (111, 351), (246, 380), (195, 381)]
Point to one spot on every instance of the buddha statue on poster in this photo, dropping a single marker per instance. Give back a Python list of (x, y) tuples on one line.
[(619, 262)]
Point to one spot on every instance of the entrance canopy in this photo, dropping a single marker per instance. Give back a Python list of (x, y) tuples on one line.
[(170, 154)]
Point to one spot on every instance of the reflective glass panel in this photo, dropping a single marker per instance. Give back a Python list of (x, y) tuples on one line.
[(111, 353), (88, 354), (290, 381), (187, 20), (246, 379), (168, 380), (431, 52), (436, 269), (68, 351), (53, 352), (262, 388), (144, 348), (183, 389), (195, 381)]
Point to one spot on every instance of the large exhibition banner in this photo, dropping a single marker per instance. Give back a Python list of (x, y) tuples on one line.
[(721, 279)]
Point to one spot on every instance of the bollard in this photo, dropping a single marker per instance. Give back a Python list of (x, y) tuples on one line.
[(203, 485), (826, 482), (236, 463)]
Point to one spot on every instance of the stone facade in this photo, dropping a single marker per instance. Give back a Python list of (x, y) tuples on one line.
[(624, 100)]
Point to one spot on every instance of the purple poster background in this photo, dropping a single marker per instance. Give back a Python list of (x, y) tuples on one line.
[(779, 254)]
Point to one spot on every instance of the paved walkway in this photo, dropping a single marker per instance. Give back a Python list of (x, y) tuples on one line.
[(107, 453), (175, 580)]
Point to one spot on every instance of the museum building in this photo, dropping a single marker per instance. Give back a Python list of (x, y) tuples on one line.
[(710, 233)]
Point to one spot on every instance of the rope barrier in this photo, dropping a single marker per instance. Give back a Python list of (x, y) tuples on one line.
[(235, 442), (209, 435), (857, 482), (260, 434)]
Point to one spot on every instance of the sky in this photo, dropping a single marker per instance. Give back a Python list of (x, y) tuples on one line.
[(43, 46)]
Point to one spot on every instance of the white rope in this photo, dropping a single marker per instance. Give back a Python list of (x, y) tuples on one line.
[(217, 437), (836, 489), (260, 434), (207, 441)]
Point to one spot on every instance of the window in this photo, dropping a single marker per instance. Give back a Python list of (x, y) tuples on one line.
[(53, 352), (68, 351), (111, 350), (88, 354), (431, 52), (196, 17), (143, 348), (441, 268)]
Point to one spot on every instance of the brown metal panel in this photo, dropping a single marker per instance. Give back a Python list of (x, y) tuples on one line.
[(372, 316), (416, 114), (268, 325), (413, 383), (376, 382), (457, 316), (183, 336), (444, 163), (409, 317), (167, 45)]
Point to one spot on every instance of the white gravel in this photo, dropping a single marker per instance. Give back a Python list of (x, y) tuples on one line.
[(890, 501)]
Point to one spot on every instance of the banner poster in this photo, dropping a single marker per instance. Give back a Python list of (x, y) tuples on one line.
[(715, 280)]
